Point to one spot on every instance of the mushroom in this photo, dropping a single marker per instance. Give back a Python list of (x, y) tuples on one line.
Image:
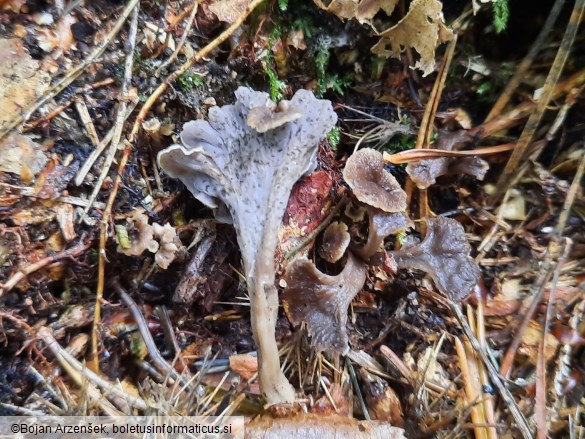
[(322, 300), (425, 172), (371, 184), (335, 241), (267, 118), (246, 177), (380, 226), (444, 255)]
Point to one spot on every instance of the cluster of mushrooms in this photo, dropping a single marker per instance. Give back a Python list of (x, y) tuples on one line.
[(243, 163)]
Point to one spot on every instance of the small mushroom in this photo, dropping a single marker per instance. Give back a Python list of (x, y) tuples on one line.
[(246, 177), (425, 172), (335, 241), (267, 118), (380, 226), (371, 184), (322, 300), (444, 255)]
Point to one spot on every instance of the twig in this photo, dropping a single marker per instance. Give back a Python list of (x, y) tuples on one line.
[(494, 376), (547, 92), (188, 64), (70, 76), (45, 334), (311, 236), (153, 352), (81, 174), (86, 120), (182, 41), (22, 273), (93, 362), (471, 380), (413, 155), (527, 61), (540, 398), (121, 112)]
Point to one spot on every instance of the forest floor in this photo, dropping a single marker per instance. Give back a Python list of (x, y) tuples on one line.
[(109, 265)]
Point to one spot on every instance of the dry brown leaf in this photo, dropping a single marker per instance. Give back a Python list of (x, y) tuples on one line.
[(228, 10), (21, 80), (58, 39), (422, 28), (21, 155), (12, 5), (245, 365), (363, 10)]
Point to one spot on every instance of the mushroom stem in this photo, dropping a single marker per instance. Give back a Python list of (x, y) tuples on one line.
[(263, 314)]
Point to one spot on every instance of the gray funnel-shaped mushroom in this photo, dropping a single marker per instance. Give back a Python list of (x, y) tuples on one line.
[(246, 175)]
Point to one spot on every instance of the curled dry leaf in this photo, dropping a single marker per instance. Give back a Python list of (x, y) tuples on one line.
[(371, 184), (444, 255), (228, 10), (246, 177), (334, 242), (362, 10), (422, 28), (21, 79), (425, 172), (21, 155), (322, 300)]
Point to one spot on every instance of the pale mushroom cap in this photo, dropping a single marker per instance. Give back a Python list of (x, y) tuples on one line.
[(371, 184)]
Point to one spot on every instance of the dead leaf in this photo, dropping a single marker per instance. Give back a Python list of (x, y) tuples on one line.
[(21, 80), (21, 155), (363, 10), (228, 10), (12, 5), (245, 365), (422, 28)]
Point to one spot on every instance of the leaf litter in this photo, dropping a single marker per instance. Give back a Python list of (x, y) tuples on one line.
[(176, 303)]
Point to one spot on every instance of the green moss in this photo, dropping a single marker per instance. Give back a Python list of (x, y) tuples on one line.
[(190, 80), (327, 81), (334, 137), (501, 11)]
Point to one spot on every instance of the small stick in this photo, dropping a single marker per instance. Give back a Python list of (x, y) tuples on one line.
[(81, 174), (45, 334), (494, 376), (540, 397), (188, 64), (547, 93), (93, 361), (414, 155), (70, 76), (182, 41), (527, 61), (472, 396), (86, 120), (22, 273), (121, 113)]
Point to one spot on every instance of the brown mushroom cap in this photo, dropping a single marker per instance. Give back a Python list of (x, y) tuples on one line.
[(322, 300), (444, 255), (335, 241), (425, 172), (365, 174)]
